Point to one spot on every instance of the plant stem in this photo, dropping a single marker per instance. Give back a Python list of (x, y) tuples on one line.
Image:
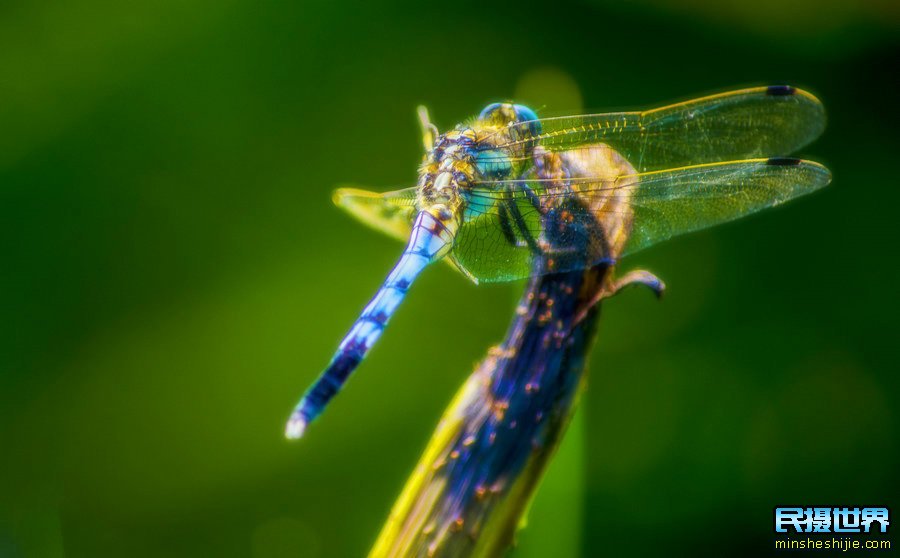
[(472, 486)]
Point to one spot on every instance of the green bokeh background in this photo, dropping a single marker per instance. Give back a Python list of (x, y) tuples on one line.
[(173, 276)]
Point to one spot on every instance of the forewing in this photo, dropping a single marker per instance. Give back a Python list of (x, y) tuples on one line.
[(576, 225), (390, 212), (743, 124)]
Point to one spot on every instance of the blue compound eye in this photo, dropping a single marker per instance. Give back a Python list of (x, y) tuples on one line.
[(504, 113), (488, 112), (525, 114), (493, 163)]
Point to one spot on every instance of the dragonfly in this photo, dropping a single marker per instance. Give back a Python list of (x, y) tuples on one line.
[(507, 195)]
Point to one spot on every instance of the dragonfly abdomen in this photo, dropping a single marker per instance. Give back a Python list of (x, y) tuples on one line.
[(429, 240)]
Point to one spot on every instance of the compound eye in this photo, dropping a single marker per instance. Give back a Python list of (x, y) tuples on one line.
[(500, 114), (493, 164), (489, 111), (525, 114)]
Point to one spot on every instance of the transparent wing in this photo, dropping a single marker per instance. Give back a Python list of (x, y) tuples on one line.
[(511, 228), (390, 212), (744, 124)]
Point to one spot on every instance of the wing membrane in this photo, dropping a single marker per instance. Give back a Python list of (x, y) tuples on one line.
[(743, 124), (390, 212), (575, 224)]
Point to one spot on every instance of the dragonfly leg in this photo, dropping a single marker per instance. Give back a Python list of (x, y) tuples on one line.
[(533, 199), (505, 226), (519, 220)]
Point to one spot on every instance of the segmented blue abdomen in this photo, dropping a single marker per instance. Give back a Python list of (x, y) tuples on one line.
[(429, 240)]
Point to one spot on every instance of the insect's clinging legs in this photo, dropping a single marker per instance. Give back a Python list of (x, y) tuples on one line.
[(533, 198), (519, 220), (505, 226)]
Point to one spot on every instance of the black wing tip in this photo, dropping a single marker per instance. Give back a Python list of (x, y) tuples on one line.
[(780, 90), (783, 161)]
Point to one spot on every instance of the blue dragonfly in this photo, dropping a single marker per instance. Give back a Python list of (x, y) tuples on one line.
[(507, 195)]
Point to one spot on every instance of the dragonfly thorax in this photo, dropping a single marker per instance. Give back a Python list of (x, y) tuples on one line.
[(448, 168), (459, 158)]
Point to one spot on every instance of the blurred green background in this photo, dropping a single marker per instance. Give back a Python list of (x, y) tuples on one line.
[(173, 276)]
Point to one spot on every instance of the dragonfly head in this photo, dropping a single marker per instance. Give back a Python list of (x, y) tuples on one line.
[(502, 123), (504, 114)]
